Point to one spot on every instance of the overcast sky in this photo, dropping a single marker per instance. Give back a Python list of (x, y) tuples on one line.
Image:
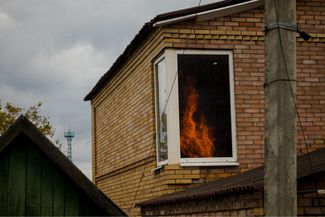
[(55, 51)]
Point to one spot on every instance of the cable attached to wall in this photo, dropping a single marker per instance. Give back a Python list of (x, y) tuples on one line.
[(159, 122)]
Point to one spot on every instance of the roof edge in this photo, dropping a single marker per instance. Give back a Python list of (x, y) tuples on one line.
[(146, 30), (215, 13), (10, 134), (225, 191), (137, 40), (252, 180)]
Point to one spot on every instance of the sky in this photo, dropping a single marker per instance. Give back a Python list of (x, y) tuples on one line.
[(54, 52)]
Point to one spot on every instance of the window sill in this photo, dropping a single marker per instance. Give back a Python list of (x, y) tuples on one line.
[(162, 163), (222, 163)]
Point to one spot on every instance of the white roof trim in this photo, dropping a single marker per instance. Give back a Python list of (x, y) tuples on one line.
[(215, 13)]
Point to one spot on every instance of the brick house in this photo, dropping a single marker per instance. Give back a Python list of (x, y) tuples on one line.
[(153, 109)]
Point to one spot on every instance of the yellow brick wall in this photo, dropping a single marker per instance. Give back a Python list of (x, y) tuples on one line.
[(123, 115), (123, 119)]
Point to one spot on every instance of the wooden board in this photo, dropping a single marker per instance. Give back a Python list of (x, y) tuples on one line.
[(71, 199), (16, 179), (58, 193), (4, 184), (38, 180), (85, 206), (33, 182), (47, 188)]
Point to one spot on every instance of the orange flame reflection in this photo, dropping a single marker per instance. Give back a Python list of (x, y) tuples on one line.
[(196, 138)]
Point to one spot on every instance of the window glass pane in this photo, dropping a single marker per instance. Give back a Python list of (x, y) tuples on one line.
[(161, 93), (204, 106)]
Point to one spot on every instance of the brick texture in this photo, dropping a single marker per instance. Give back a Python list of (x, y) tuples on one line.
[(123, 119)]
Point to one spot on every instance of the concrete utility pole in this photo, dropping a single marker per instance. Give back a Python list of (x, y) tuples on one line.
[(280, 197)]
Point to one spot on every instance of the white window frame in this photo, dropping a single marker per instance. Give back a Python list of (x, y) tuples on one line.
[(159, 163), (172, 110)]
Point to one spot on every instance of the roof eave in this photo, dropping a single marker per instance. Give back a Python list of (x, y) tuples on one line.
[(201, 13), (308, 164), (215, 13), (143, 33)]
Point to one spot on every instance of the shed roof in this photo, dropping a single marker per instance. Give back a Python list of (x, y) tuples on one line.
[(190, 13), (252, 180), (23, 126)]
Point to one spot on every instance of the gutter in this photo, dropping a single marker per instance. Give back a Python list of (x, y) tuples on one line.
[(215, 13)]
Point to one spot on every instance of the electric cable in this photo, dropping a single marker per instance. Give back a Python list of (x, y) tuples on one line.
[(158, 128)]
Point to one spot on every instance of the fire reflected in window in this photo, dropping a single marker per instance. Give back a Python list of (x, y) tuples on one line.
[(204, 106)]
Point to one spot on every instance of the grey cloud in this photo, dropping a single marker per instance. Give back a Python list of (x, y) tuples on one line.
[(55, 51)]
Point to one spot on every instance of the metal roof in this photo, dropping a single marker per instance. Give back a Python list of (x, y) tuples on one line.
[(252, 180)]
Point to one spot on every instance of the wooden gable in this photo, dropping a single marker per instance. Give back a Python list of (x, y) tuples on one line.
[(36, 179)]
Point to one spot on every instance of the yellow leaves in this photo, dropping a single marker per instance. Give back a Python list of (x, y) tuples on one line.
[(10, 113)]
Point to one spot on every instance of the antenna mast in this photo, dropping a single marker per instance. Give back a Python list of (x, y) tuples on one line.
[(69, 135)]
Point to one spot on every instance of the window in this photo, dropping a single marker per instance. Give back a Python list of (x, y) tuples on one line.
[(198, 116), (161, 117)]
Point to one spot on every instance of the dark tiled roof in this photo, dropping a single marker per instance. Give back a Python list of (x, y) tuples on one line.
[(252, 180), (145, 31), (24, 126)]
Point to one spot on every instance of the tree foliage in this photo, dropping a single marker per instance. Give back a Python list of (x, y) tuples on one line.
[(10, 113)]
